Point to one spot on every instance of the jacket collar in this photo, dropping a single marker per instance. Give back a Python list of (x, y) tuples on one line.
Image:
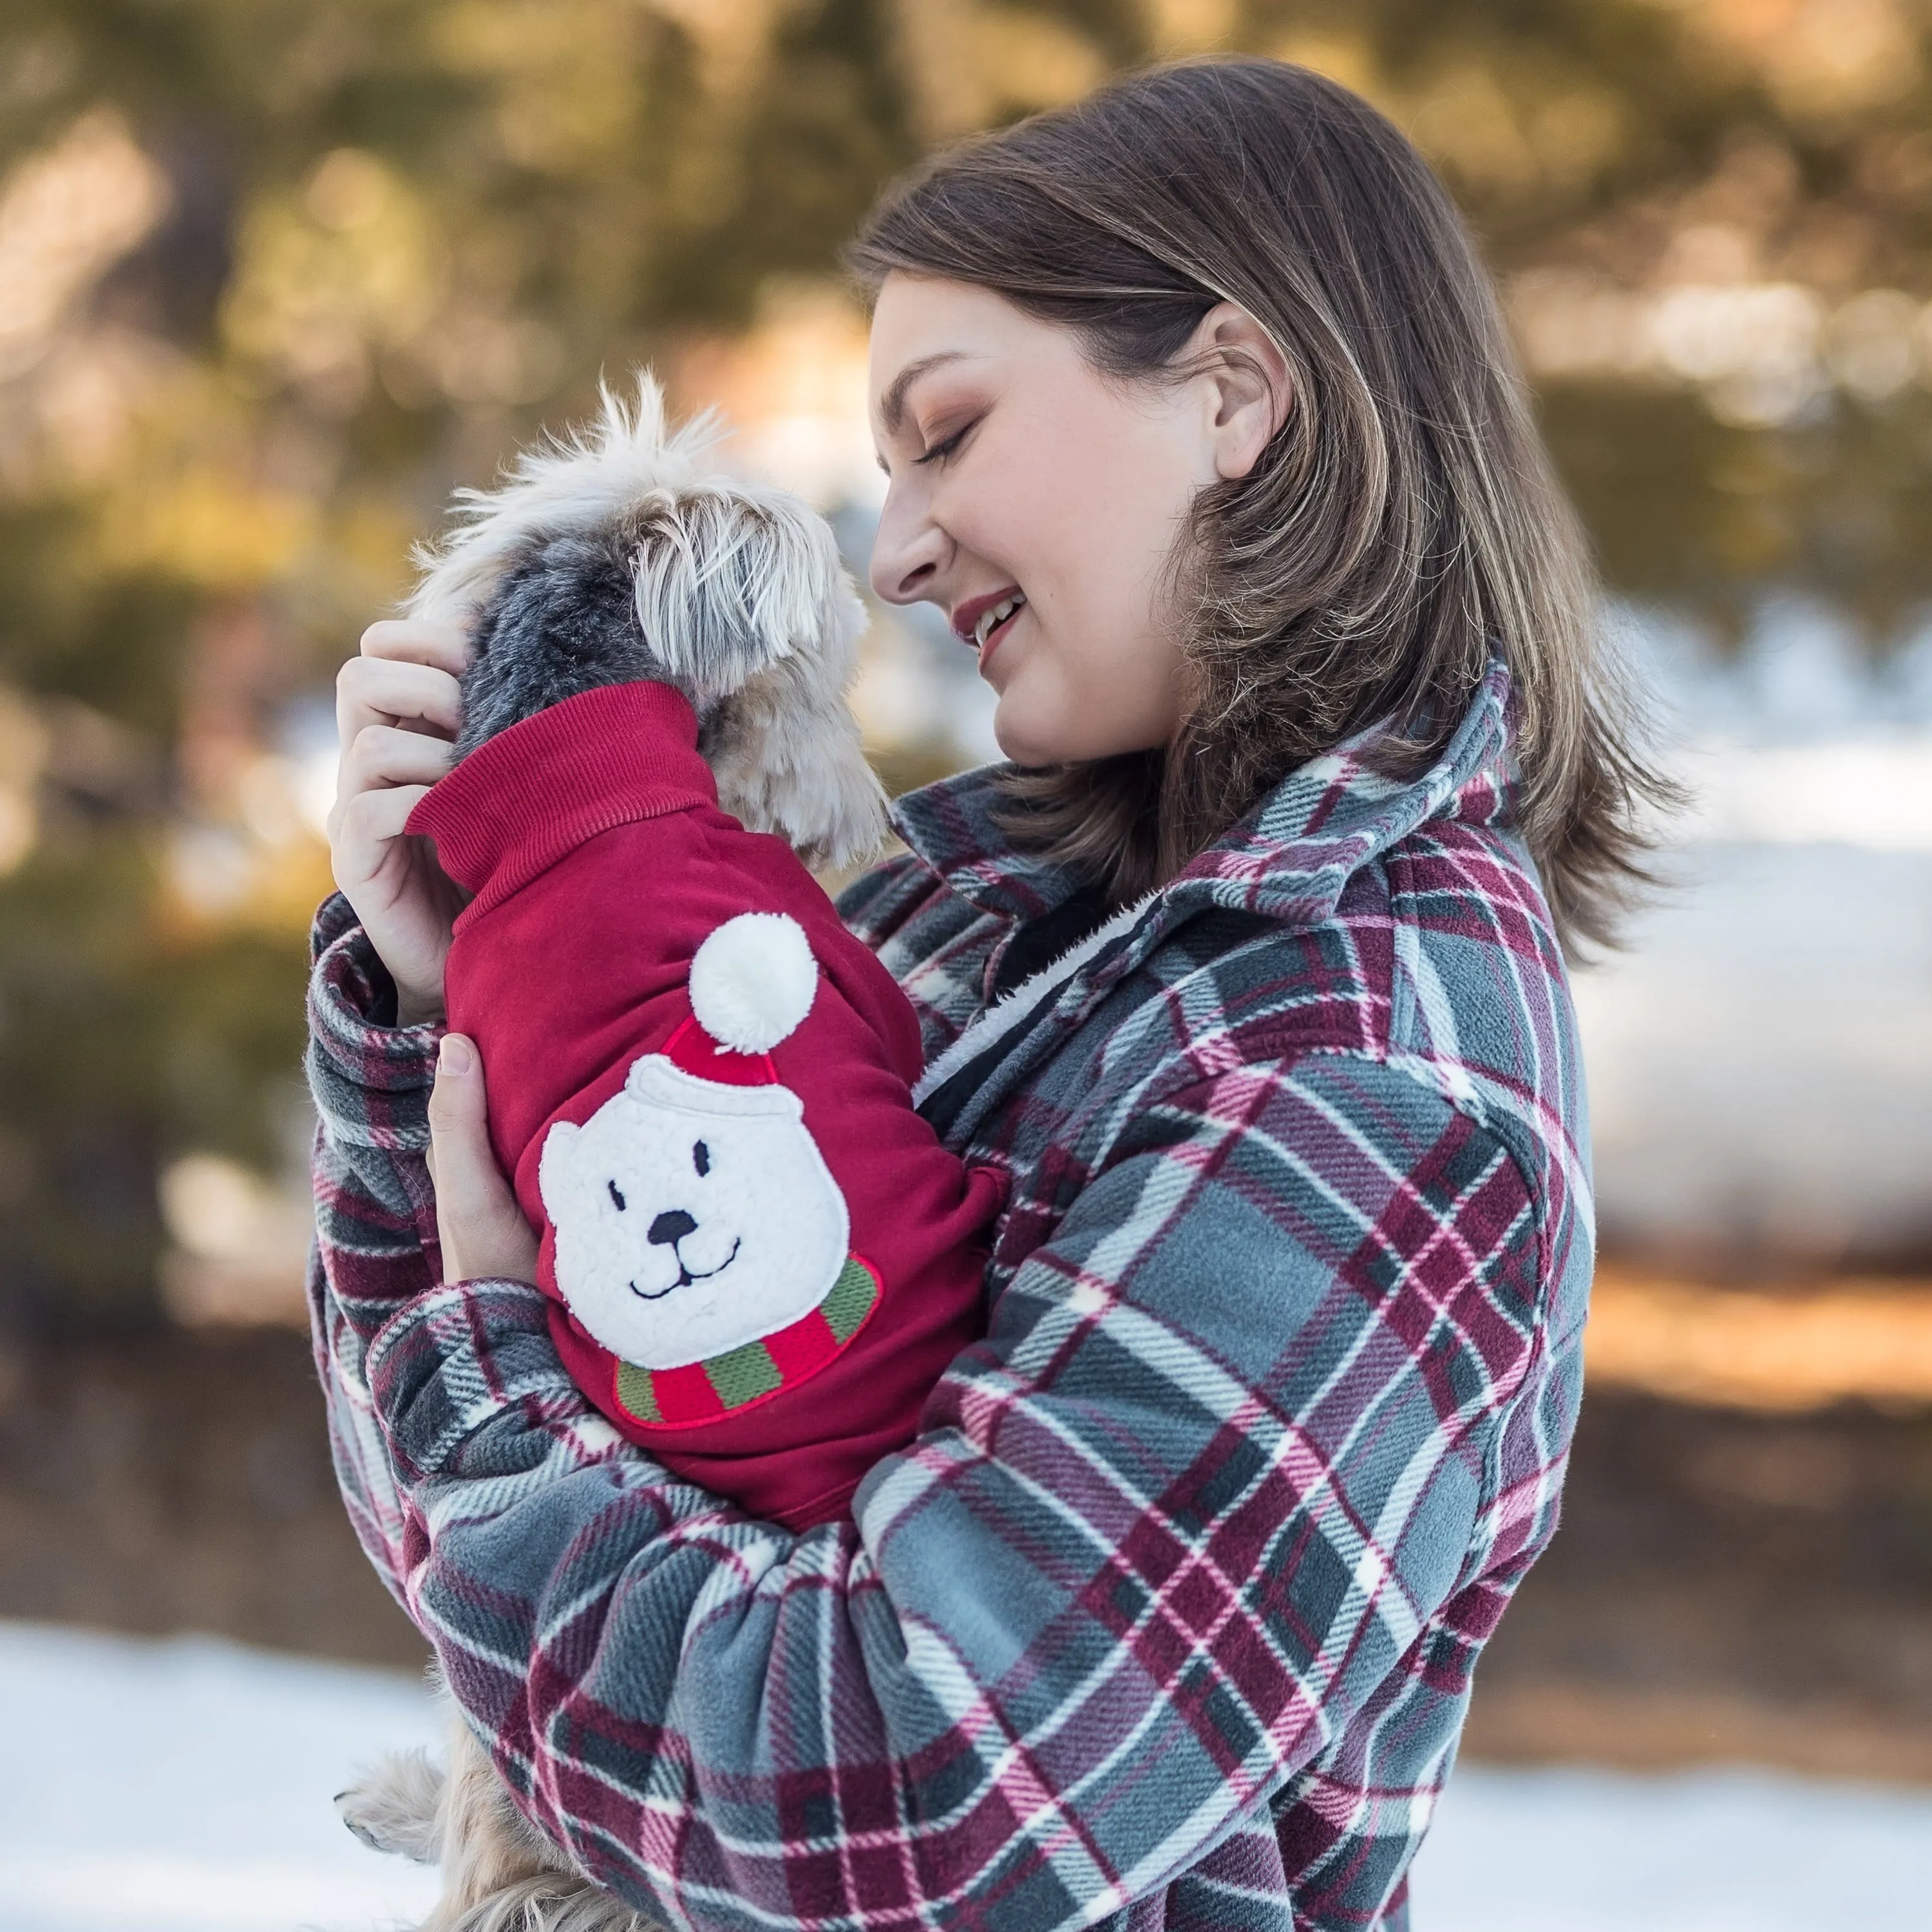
[(953, 826), (1289, 859)]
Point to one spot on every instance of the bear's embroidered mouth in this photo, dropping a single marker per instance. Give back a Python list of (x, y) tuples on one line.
[(686, 1277)]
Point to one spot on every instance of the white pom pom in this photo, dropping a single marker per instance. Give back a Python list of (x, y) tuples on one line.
[(753, 981)]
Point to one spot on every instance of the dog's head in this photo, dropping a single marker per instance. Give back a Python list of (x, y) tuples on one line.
[(609, 557)]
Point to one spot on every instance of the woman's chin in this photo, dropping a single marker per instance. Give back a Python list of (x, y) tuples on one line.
[(1047, 724), (1027, 731), (1033, 741), (1018, 745)]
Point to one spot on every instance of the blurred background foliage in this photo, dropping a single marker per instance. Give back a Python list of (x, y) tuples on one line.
[(275, 273)]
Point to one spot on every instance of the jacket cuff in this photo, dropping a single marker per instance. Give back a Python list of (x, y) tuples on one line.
[(371, 1078), (449, 1363)]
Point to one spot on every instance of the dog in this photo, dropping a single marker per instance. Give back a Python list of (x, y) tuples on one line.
[(611, 557)]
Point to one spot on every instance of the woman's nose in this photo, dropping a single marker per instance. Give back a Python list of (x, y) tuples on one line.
[(907, 551)]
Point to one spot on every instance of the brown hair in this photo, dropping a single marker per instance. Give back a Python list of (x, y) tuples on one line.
[(1403, 525)]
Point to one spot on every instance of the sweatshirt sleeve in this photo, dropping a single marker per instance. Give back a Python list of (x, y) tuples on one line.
[(1227, 1463)]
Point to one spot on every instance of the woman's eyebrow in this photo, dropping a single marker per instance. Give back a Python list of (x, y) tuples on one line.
[(892, 404)]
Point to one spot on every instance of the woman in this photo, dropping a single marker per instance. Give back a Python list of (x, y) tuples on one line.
[(1200, 424)]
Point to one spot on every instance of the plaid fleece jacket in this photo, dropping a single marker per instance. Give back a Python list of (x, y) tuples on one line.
[(1167, 1619)]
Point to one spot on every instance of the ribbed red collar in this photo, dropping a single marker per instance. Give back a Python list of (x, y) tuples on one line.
[(523, 799)]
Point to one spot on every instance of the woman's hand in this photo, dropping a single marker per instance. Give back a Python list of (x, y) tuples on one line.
[(396, 710), (483, 1235)]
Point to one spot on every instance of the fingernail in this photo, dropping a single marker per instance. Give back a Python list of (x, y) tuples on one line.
[(454, 1055)]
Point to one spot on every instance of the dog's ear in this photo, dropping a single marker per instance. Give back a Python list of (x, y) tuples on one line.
[(784, 748), (741, 595), (733, 579)]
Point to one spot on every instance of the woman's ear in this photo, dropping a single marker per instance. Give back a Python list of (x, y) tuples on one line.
[(1246, 386)]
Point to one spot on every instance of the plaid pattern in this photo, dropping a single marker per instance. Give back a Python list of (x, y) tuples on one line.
[(1168, 1618)]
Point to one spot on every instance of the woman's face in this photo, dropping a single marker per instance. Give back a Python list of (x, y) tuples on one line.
[(1038, 503)]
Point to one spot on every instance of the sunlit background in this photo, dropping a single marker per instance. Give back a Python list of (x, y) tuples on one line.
[(276, 274)]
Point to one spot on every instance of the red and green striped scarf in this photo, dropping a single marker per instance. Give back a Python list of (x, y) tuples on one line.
[(755, 1371)]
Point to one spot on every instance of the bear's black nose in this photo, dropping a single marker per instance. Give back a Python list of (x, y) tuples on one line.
[(670, 1227)]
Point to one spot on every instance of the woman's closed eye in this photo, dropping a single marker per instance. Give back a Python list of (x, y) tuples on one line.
[(939, 451)]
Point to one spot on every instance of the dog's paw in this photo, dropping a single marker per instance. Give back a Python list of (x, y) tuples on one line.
[(393, 1807)]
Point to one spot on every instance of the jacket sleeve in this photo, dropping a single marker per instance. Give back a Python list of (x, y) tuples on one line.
[(375, 1244), (1228, 1448)]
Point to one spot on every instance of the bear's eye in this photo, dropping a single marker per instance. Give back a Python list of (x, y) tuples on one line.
[(701, 1158), (615, 1195)]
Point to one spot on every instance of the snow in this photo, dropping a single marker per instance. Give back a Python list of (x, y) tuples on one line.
[(1574, 1850), (184, 1786), (1760, 1059)]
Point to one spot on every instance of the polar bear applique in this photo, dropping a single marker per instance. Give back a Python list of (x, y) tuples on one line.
[(699, 1236)]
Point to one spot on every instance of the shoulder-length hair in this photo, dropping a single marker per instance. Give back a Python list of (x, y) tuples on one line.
[(1404, 525)]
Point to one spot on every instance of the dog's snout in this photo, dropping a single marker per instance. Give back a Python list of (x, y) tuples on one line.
[(671, 1227)]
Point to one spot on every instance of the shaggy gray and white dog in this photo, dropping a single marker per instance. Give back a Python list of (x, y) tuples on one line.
[(604, 558), (611, 555)]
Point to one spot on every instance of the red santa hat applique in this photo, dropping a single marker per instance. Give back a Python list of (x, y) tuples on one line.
[(752, 982)]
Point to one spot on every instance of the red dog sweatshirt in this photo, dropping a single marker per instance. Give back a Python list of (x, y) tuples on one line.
[(760, 1258)]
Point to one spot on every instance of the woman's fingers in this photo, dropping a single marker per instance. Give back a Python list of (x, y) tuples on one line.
[(397, 705), (382, 758), (375, 691), (483, 1232), (363, 829), (405, 676), (385, 754), (414, 640)]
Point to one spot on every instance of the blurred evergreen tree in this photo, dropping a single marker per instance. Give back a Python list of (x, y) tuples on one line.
[(274, 273)]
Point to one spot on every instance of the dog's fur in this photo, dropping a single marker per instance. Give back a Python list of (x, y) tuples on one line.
[(605, 559)]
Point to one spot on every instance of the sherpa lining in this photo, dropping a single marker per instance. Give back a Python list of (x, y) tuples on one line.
[(999, 1019)]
